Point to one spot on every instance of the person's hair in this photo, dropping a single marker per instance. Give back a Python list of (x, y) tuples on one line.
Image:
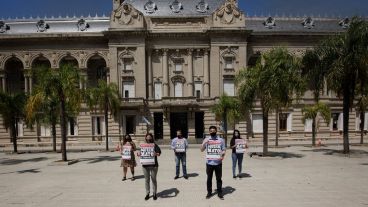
[(213, 127), (150, 134), (234, 133), (127, 138)]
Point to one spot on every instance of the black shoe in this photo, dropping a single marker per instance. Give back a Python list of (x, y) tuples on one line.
[(208, 196), (234, 176), (176, 177), (220, 196), (133, 178), (124, 179), (186, 177), (154, 197), (147, 197)]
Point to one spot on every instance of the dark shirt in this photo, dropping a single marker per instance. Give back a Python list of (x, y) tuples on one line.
[(157, 150)]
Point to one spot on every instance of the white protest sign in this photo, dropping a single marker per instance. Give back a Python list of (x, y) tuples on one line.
[(240, 145), (126, 152), (214, 151), (147, 154), (180, 145)]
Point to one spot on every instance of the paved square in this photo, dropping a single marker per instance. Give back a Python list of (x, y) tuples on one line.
[(295, 176)]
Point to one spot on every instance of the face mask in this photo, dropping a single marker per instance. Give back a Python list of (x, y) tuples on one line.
[(213, 134)]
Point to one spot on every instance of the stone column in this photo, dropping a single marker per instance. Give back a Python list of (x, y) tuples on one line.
[(150, 74), (165, 74), (206, 88), (30, 83), (190, 72), (2, 79), (83, 78), (26, 83)]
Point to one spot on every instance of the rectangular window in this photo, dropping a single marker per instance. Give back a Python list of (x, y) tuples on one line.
[(229, 63), (158, 90), (98, 125), (178, 66), (198, 89), (128, 89), (45, 131), (72, 127), (308, 125), (128, 63), (358, 121), (285, 122), (229, 87), (337, 121), (20, 129), (257, 123), (178, 87)]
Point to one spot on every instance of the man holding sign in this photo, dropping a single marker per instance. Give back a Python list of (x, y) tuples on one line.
[(215, 153), (180, 144)]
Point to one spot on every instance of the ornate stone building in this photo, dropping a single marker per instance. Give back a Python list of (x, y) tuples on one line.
[(171, 59)]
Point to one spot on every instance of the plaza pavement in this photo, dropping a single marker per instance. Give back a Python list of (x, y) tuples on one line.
[(293, 176)]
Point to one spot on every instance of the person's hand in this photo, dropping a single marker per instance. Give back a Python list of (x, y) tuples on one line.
[(156, 154), (138, 154)]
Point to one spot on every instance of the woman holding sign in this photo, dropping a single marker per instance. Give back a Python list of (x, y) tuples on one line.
[(127, 156), (238, 146), (148, 158)]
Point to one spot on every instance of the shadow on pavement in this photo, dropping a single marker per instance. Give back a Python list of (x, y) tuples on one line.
[(29, 171), (353, 152), (364, 164), (192, 175), (16, 161), (282, 155), (226, 190), (99, 159), (244, 175), (139, 177), (169, 193)]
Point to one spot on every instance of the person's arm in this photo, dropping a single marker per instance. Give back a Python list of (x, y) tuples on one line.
[(186, 144), (173, 143), (232, 143), (223, 148), (204, 144), (157, 150)]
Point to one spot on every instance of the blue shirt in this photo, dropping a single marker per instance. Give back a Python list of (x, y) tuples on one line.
[(215, 162), (173, 143)]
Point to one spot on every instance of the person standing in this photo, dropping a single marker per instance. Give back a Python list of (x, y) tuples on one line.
[(215, 153), (148, 157), (238, 146), (127, 149), (180, 144)]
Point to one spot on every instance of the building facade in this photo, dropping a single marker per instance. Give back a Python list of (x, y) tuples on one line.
[(172, 60)]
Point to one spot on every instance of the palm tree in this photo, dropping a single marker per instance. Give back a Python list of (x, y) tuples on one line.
[(61, 85), (273, 82), (311, 112), (227, 108), (43, 108), (105, 97), (315, 68), (12, 111), (347, 56)]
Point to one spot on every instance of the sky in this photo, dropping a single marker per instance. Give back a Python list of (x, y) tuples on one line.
[(324, 8)]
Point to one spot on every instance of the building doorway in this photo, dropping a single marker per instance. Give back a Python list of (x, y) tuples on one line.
[(178, 121), (199, 125), (158, 125)]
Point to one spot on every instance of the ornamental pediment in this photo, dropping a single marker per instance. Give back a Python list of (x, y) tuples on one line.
[(125, 17), (229, 15)]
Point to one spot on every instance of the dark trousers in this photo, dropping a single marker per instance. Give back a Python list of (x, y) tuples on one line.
[(181, 157), (218, 173)]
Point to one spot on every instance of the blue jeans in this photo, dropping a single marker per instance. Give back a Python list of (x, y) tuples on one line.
[(181, 157), (237, 158)]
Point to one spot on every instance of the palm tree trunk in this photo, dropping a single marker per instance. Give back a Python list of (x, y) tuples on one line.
[(277, 128), (362, 118), (265, 131), (314, 131), (53, 131), (63, 128), (346, 107), (106, 124), (13, 132), (225, 127)]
